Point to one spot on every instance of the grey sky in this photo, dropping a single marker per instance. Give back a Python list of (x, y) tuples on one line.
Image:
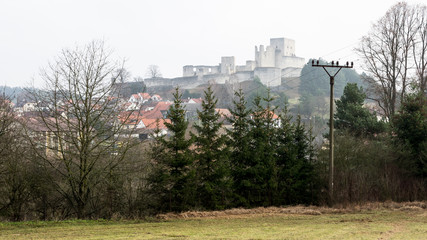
[(171, 34)]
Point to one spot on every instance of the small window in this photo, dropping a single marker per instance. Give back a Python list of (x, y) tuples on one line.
[(210, 69)]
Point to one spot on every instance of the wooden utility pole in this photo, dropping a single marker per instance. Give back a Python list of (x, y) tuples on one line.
[(331, 121)]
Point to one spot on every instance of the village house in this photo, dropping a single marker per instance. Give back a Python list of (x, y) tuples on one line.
[(46, 133), (144, 122), (139, 98)]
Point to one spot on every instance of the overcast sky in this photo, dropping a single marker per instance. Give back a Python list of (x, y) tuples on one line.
[(172, 34)]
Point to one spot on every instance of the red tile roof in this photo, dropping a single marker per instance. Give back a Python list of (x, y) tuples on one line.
[(153, 123), (145, 95), (147, 116)]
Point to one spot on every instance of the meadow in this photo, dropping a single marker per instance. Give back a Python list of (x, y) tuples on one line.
[(399, 221)]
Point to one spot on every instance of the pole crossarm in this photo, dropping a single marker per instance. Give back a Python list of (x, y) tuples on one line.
[(331, 120), (333, 64)]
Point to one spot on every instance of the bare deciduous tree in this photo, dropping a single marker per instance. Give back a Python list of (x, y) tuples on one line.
[(123, 75), (388, 52), (6, 120), (420, 48), (78, 118), (153, 71), (14, 166)]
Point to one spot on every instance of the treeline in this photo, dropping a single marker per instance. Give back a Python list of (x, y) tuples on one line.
[(268, 159), (264, 159), (378, 160), (253, 157)]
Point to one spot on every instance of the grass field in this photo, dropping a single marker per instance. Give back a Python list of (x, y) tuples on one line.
[(405, 222)]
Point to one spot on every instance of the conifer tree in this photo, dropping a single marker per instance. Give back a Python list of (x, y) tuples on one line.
[(410, 126), (295, 153), (159, 176), (352, 116), (286, 154), (212, 156), (263, 181), (174, 167), (302, 170), (239, 140)]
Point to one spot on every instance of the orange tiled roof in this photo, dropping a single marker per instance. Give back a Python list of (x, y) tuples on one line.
[(145, 95), (136, 116), (152, 123)]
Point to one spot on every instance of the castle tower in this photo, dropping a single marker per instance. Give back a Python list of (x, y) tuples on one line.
[(228, 65), (278, 44)]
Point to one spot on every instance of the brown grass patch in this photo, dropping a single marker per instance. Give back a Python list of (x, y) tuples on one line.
[(297, 210)]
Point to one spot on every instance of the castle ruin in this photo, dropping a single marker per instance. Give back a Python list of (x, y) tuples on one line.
[(271, 64)]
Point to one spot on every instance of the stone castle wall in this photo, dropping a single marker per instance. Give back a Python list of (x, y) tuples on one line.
[(269, 76), (293, 62), (190, 70), (265, 57), (182, 82), (271, 64)]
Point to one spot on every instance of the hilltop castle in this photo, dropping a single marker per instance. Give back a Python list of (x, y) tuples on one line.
[(271, 64)]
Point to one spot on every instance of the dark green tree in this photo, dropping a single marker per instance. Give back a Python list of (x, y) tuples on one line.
[(352, 116), (301, 170), (212, 156), (159, 177), (262, 180), (410, 126), (239, 140), (294, 161), (286, 154), (174, 175)]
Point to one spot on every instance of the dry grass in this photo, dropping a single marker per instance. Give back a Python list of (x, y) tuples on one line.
[(300, 210)]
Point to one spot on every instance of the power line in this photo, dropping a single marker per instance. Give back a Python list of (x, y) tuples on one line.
[(340, 49)]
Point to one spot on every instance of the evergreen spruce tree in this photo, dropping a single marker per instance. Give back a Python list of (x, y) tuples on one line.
[(174, 167), (295, 165), (212, 156), (352, 116), (240, 156), (262, 172), (286, 155), (301, 171), (410, 126), (158, 178)]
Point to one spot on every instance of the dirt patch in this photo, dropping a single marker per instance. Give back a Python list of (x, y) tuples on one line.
[(301, 210)]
